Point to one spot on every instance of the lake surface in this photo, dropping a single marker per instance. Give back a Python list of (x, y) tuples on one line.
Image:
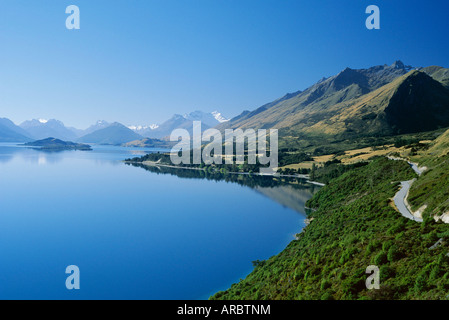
[(134, 234)]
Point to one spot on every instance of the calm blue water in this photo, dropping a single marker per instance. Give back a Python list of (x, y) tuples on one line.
[(134, 234)]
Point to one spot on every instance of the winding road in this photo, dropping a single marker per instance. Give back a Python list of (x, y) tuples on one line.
[(401, 196)]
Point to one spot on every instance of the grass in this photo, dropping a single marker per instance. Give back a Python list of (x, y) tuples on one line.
[(357, 155)]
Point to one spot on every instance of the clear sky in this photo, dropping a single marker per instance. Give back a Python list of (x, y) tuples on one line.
[(140, 61)]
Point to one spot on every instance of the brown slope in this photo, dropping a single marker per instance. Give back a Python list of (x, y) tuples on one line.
[(412, 103), (306, 108)]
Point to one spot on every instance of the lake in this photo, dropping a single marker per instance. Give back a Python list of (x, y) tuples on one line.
[(133, 233)]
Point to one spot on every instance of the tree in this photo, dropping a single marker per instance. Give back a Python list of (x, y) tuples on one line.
[(312, 172)]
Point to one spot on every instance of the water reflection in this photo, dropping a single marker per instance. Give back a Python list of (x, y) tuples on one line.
[(100, 154), (287, 191), (10, 152), (174, 238)]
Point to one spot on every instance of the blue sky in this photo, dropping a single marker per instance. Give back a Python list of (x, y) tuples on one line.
[(140, 61)]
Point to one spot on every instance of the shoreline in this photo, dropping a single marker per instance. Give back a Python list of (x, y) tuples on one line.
[(299, 176)]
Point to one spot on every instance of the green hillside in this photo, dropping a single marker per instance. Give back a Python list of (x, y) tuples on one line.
[(438, 73), (355, 226), (431, 190)]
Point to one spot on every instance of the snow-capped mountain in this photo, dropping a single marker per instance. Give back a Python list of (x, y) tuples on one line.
[(177, 121), (210, 119), (219, 117), (42, 129), (143, 130), (100, 124)]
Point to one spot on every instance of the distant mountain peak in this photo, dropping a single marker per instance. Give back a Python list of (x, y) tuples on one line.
[(100, 124), (42, 121), (43, 128), (217, 115), (9, 132), (115, 134), (141, 128), (209, 118), (374, 100), (347, 77), (398, 64), (196, 113), (178, 121), (321, 80)]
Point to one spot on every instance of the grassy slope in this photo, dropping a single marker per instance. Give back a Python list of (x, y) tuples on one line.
[(432, 188), (302, 109), (412, 103), (336, 117), (355, 226), (438, 73)]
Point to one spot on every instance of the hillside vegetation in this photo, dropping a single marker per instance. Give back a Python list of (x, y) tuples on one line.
[(355, 226), (438, 73), (431, 190)]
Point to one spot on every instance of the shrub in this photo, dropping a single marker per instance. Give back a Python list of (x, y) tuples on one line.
[(420, 282), (325, 284), (381, 258), (327, 296), (385, 273), (392, 254)]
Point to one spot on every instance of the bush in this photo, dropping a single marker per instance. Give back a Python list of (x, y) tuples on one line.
[(327, 296), (325, 284), (420, 282), (385, 273), (386, 245), (380, 259), (392, 254)]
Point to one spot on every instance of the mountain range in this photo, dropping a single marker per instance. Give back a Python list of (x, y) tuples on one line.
[(38, 129), (103, 132), (379, 101), (114, 134), (9, 132), (385, 100), (177, 121)]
